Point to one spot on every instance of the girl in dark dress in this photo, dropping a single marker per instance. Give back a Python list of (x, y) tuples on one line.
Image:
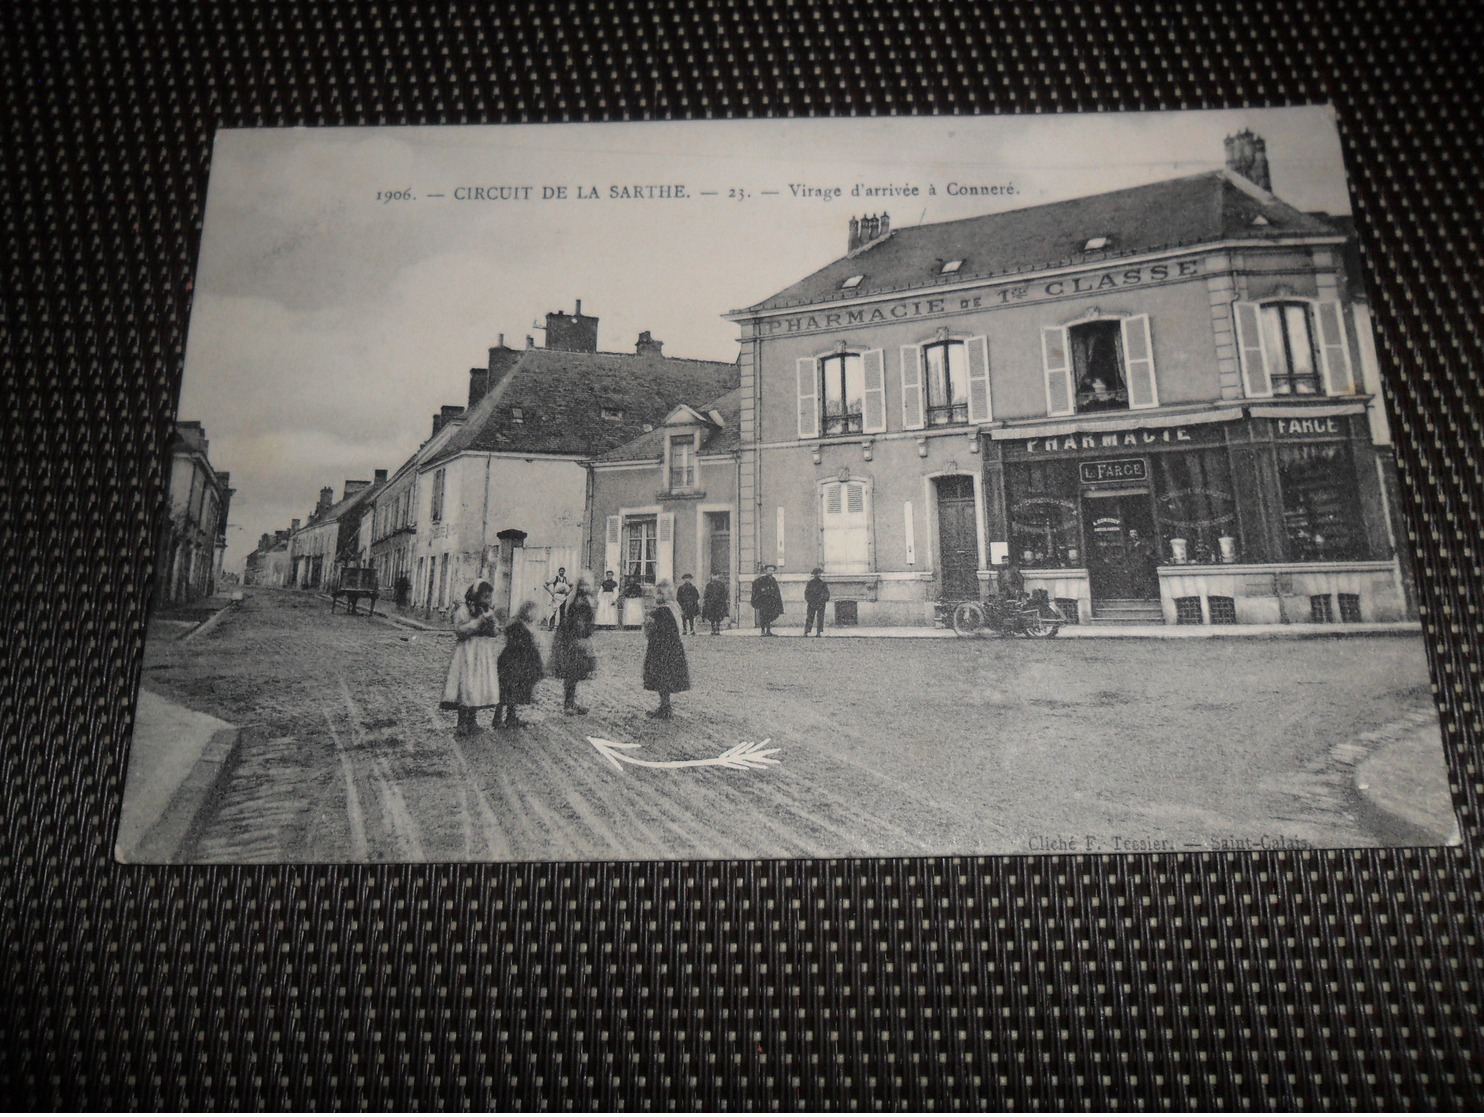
[(716, 604), (572, 656), (519, 665), (665, 669)]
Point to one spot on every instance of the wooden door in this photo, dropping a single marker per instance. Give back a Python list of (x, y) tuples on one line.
[(958, 538)]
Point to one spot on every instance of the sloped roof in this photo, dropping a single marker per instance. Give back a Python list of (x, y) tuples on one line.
[(650, 446), (346, 504), (1198, 209), (561, 397)]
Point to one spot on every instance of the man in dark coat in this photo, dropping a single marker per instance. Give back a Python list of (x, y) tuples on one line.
[(816, 594), (767, 599), (572, 658), (665, 668), (716, 604), (689, 600)]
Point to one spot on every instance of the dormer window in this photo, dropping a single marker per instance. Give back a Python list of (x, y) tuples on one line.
[(1096, 244), (853, 281), (950, 267), (517, 415), (1260, 220), (613, 414), (682, 461)]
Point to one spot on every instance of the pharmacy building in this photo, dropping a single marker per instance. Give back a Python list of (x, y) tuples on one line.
[(1154, 402)]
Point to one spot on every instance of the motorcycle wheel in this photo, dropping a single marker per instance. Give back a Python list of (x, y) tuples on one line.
[(968, 618), (1039, 627)]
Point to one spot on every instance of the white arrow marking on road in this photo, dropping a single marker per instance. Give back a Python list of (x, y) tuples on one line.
[(745, 755)]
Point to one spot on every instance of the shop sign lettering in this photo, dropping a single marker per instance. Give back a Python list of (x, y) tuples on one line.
[(1116, 469), (1299, 428), (1110, 440), (1009, 295)]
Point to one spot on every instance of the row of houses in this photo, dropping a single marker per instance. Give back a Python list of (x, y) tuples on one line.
[(1161, 403), (193, 536)]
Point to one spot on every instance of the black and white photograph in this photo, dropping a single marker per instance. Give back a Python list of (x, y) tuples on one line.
[(815, 488)]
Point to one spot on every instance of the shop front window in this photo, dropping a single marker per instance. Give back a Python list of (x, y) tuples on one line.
[(844, 393), (1097, 366), (1321, 508), (1196, 506), (1044, 527)]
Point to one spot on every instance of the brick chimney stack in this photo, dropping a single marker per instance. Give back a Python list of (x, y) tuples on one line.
[(448, 412), (572, 333), (867, 230), (326, 498), (1247, 155), (647, 346), (378, 477)]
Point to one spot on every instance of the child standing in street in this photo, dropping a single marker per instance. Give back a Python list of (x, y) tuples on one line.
[(665, 669), (519, 665), (473, 675), (689, 600), (717, 605)]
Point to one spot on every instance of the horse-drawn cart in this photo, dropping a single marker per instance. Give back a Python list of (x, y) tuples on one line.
[(353, 583)]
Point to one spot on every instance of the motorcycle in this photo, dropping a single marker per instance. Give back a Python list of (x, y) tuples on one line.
[(1034, 616)]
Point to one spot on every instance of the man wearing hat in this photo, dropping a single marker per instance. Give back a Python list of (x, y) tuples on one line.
[(767, 599), (816, 593)]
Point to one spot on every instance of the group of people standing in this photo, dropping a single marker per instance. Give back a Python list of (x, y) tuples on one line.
[(767, 599), (496, 663)]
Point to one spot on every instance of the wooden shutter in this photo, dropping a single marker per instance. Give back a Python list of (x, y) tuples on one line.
[(1256, 378), (612, 545), (978, 355), (873, 406), (1334, 353), (808, 377), (1056, 355), (912, 414), (1138, 357), (664, 567)]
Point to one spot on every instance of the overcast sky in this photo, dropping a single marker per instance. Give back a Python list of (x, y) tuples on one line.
[(328, 326)]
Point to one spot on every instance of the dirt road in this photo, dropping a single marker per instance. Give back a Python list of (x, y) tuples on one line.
[(886, 747)]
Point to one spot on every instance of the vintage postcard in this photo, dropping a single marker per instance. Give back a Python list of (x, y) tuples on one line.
[(782, 489)]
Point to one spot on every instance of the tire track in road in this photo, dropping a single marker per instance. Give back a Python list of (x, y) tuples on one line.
[(401, 832)]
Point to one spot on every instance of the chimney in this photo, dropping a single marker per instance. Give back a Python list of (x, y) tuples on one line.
[(441, 420), (647, 346), (572, 333), (378, 477), (479, 383), (1247, 155), (293, 525), (326, 498), (530, 342), (867, 230)]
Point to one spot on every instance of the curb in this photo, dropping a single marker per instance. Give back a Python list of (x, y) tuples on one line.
[(209, 623), (1131, 632), (178, 827)]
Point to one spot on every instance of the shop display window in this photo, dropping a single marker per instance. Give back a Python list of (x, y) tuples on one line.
[(1045, 529), (1321, 509), (1197, 507)]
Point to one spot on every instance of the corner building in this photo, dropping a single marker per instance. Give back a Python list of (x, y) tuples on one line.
[(1148, 399)]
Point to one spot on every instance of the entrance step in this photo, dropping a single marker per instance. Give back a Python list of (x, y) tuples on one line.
[(1127, 610)]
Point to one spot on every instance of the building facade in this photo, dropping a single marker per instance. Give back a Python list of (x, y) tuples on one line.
[(194, 535), (331, 537), (665, 504), (505, 497), (1149, 400)]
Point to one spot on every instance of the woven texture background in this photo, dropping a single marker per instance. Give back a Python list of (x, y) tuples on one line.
[(1329, 979)]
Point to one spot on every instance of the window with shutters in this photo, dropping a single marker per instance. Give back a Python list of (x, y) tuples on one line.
[(843, 391), (845, 527), (1288, 348), (945, 369), (1098, 366), (436, 514), (641, 547)]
